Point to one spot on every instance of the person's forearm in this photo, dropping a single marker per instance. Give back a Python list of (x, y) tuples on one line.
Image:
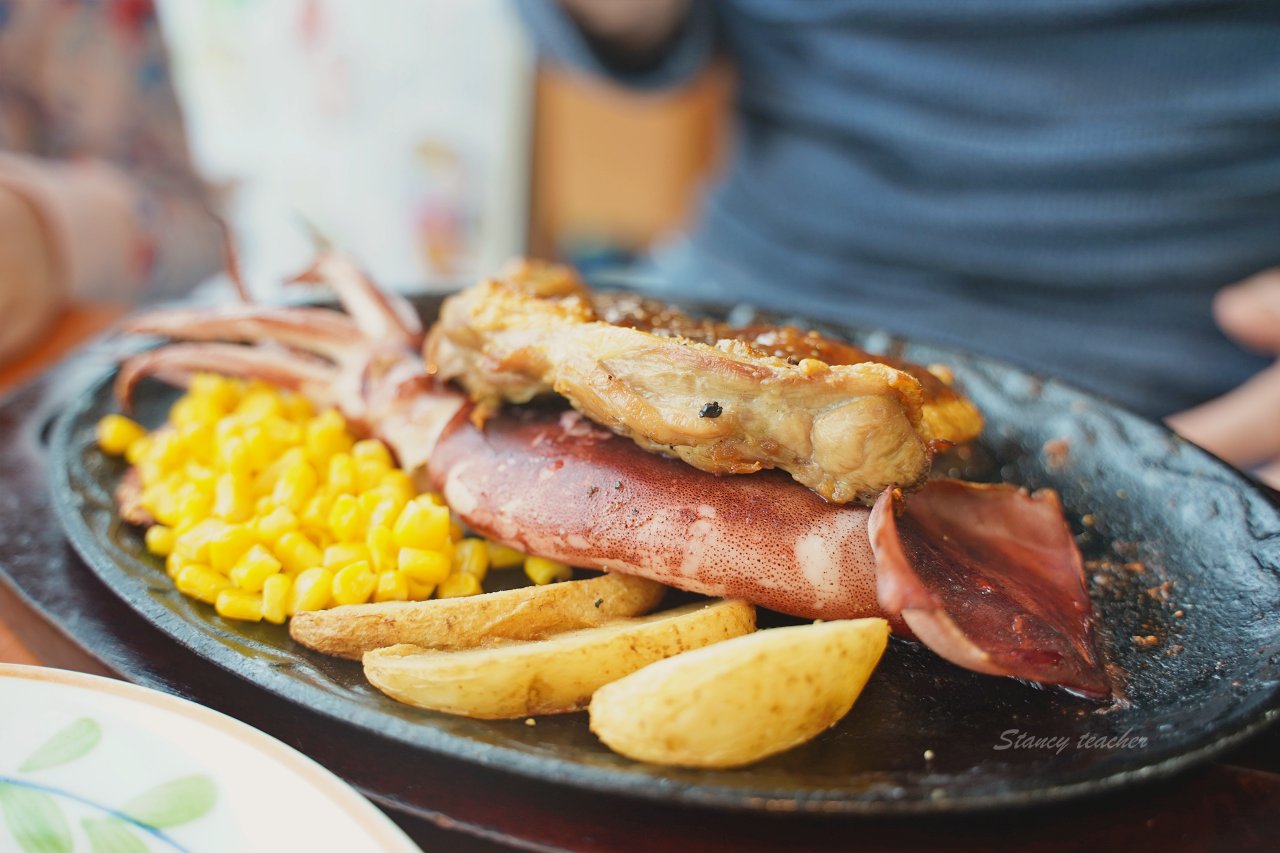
[(31, 296), (631, 30)]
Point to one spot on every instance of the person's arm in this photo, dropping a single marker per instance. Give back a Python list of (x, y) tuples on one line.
[(646, 44), (97, 154), (1241, 426), (29, 301)]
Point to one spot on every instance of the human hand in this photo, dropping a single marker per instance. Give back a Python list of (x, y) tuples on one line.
[(1243, 425), (29, 296)]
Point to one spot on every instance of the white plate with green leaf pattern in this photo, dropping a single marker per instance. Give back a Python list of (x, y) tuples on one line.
[(94, 764)]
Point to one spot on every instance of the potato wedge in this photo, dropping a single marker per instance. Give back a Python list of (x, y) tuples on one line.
[(741, 700), (527, 613), (548, 676)]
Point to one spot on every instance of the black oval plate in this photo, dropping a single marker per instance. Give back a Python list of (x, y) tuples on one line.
[(1184, 564)]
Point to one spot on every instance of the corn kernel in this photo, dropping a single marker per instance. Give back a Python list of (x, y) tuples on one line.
[(379, 509), (296, 486), (471, 556), (137, 450), (184, 411), (419, 591), (382, 549), (297, 553), (238, 604), (425, 567), (159, 540), (342, 474), (371, 450), (345, 553), (232, 456), (261, 451), (297, 408), (189, 504), (399, 484), (201, 582), (353, 584), (392, 586), (315, 515), (324, 435), (503, 557), (274, 524), (165, 451), (220, 391), (277, 591), (423, 525), (541, 570), (269, 475), (227, 549), (459, 584), (173, 564), (233, 498), (116, 433), (369, 475), (193, 543), (345, 519), (312, 590), (456, 533), (284, 432), (201, 476), (253, 568), (196, 440), (260, 404)]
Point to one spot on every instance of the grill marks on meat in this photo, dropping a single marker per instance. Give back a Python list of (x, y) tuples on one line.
[(846, 430)]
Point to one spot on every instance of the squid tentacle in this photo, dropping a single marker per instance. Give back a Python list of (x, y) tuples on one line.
[(177, 363)]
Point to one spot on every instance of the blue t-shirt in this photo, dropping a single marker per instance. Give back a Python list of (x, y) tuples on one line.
[(1061, 183)]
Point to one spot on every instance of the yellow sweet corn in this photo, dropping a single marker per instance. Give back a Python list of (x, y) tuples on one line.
[(159, 540), (238, 604), (422, 524), (277, 591), (392, 586), (503, 557), (419, 591), (254, 567), (345, 518), (459, 584), (312, 590), (272, 524), (382, 549), (266, 508), (342, 474), (233, 498), (297, 553), (201, 582), (541, 570), (343, 554), (373, 451), (116, 433), (426, 567), (225, 551), (472, 557), (354, 583)]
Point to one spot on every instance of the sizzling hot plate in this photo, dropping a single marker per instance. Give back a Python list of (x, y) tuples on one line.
[(1184, 570)]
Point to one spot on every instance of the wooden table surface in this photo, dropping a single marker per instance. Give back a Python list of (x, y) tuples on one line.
[(1232, 804)]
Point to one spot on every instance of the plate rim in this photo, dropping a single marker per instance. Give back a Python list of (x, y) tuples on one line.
[(373, 821)]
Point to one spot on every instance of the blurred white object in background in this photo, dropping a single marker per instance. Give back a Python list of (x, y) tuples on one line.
[(399, 129)]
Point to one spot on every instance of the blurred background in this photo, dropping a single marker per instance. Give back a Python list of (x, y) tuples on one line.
[(426, 139)]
